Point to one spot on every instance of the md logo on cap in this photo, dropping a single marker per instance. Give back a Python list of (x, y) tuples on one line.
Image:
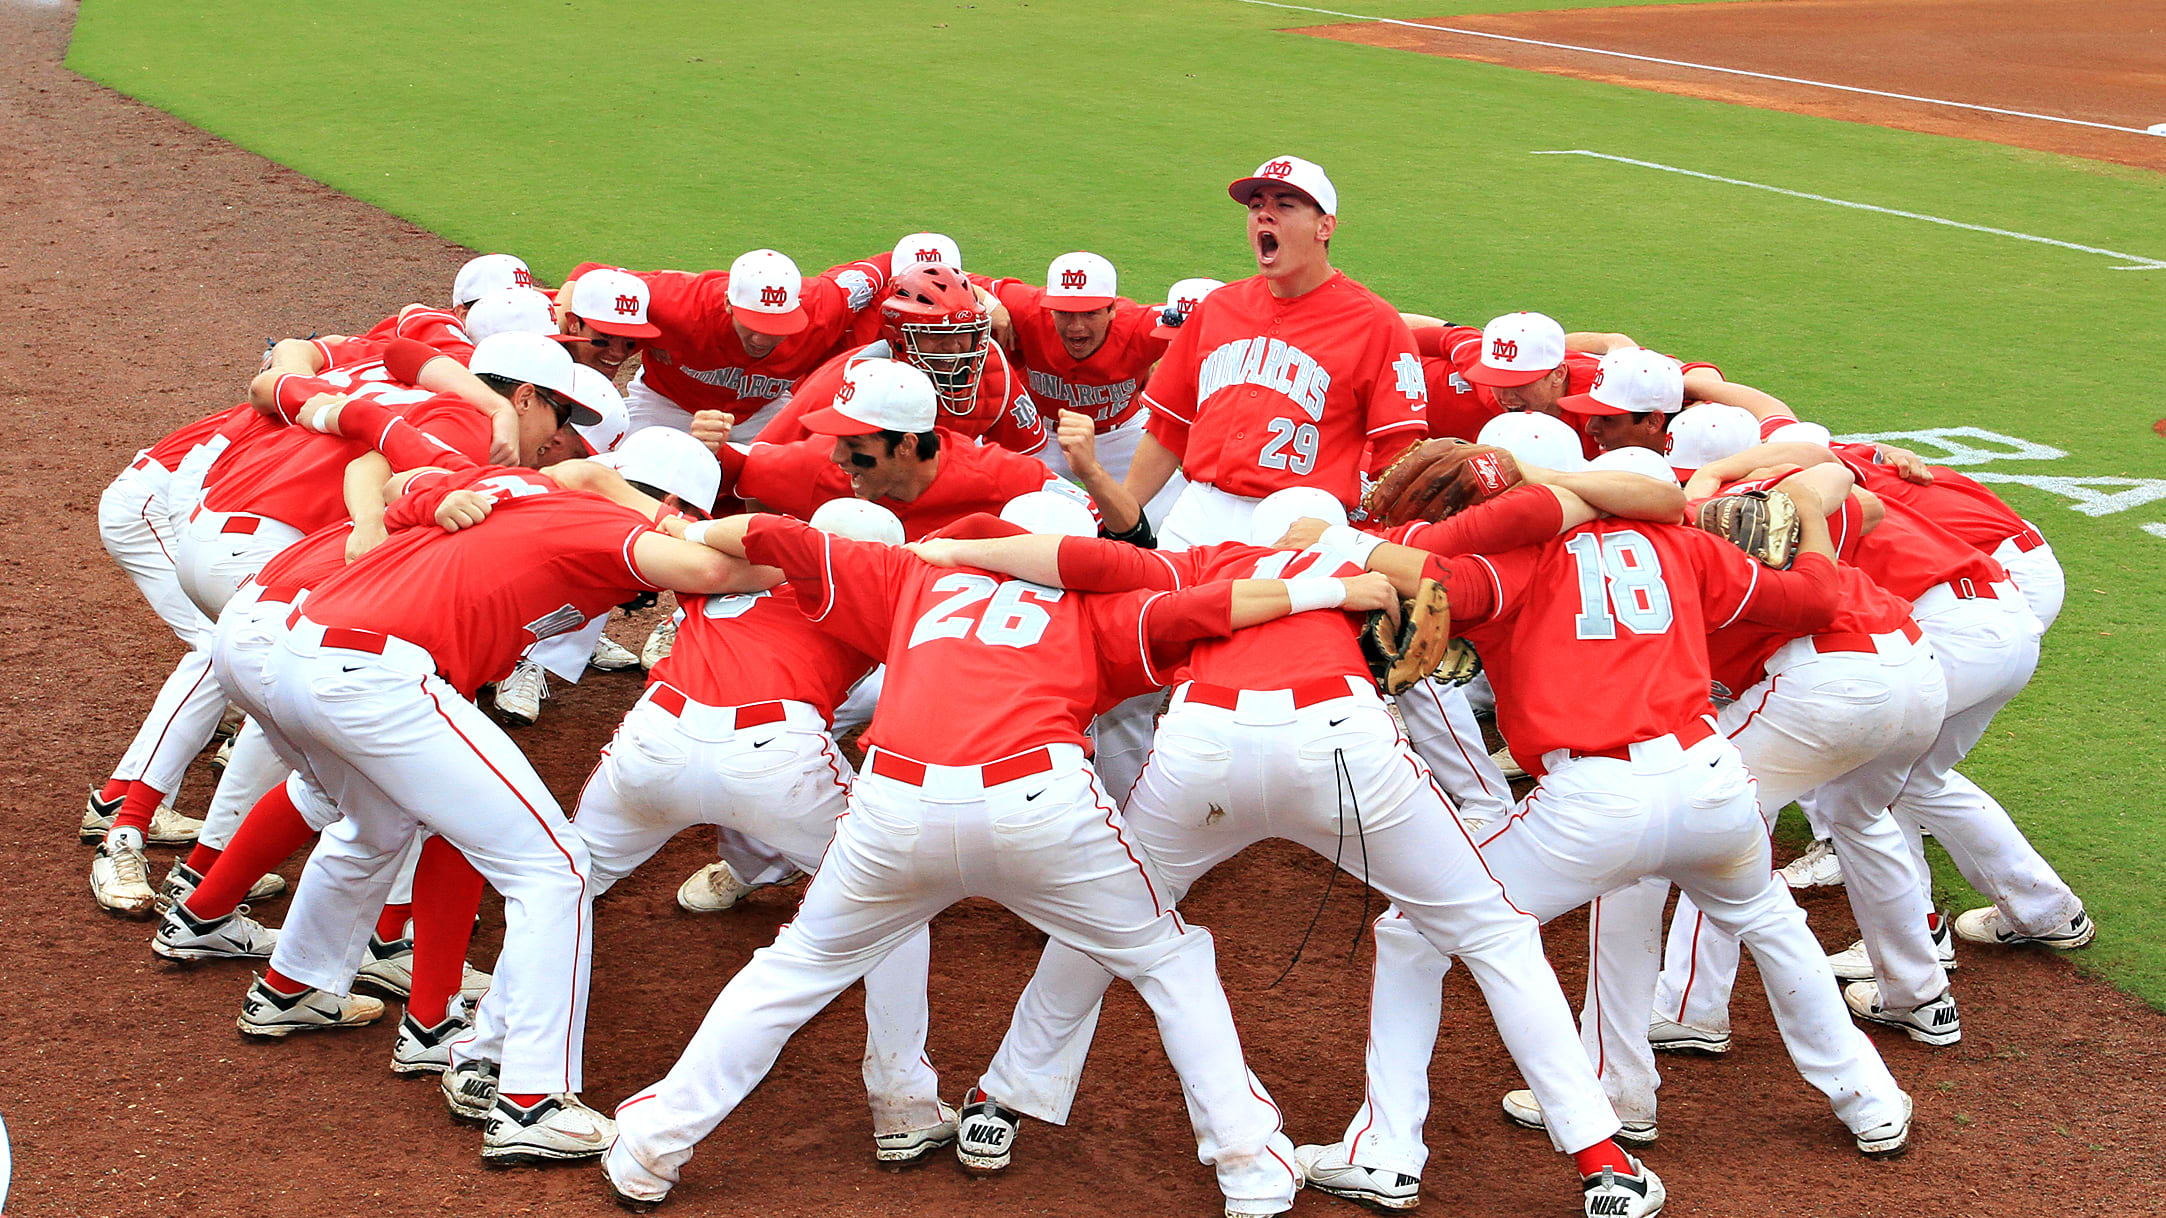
[(848, 391), (1187, 304), (1597, 381), (774, 296), (1503, 349), (1074, 279), (628, 305), (522, 277), (1277, 169), (928, 255)]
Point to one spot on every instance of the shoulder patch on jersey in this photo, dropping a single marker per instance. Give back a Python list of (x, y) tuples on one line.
[(857, 285)]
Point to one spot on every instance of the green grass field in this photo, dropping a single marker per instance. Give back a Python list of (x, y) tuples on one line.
[(684, 134)]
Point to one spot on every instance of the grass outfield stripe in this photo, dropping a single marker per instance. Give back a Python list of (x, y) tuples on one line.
[(1703, 67), (2148, 264)]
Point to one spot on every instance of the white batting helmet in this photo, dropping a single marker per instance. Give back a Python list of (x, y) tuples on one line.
[(858, 520), (1276, 512)]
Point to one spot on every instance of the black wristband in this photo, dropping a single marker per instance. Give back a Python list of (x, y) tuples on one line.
[(1139, 536)]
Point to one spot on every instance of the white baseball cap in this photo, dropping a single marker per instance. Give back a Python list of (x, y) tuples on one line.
[(1305, 176), (614, 302), (1047, 512), (1276, 512), (532, 359), (1518, 349), (877, 395), (1800, 433), (1636, 460), (483, 275), (1079, 283), (765, 293), (1632, 380), (1536, 438), (858, 520), (504, 310), (925, 247), (1709, 432), (670, 461), (1181, 300), (599, 394)]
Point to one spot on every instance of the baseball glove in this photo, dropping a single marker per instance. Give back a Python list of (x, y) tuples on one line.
[(1433, 479), (1461, 663), (1400, 657), (1763, 524)]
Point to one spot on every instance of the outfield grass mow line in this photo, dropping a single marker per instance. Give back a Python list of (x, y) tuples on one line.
[(2146, 264), (1708, 67)]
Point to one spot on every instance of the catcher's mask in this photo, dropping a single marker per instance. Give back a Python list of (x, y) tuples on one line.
[(932, 301)]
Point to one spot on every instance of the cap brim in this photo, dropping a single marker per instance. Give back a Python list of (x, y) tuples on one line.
[(583, 414), (1162, 330), (832, 422), (624, 329), (777, 324), (1241, 190), (1077, 304), (1585, 403), (1503, 378)]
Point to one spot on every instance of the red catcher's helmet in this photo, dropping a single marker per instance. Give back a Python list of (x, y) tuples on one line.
[(932, 318)]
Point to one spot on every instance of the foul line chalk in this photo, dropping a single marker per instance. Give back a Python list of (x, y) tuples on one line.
[(2137, 261), (2160, 129)]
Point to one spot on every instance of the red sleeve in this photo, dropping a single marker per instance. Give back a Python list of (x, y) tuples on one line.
[(432, 326), (1769, 426), (783, 476), (403, 444), (404, 359), (682, 304), (1092, 564), (293, 390), (1801, 600), (828, 573), (1522, 516), (1169, 432), (417, 505), (1180, 618), (1479, 586), (1016, 295), (1847, 528), (732, 460), (454, 424)]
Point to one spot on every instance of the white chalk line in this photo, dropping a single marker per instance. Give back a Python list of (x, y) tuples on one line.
[(2141, 263), (1708, 67)]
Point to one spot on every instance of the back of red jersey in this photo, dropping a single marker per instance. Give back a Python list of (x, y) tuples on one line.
[(1962, 506), (1278, 654), (440, 328), (169, 451), (755, 647), (1910, 554), (544, 562), (309, 561)]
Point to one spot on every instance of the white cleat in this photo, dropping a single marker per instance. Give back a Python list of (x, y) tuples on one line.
[(1929, 1023), (557, 1129), (519, 695), (912, 1145), (611, 656), (1889, 1140), (268, 1013), (1614, 1194), (1522, 1109), (120, 880), (1328, 1169), (1818, 867), (658, 645), (1670, 1036), (1988, 926)]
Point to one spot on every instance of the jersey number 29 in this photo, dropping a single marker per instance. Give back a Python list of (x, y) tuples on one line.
[(1620, 580)]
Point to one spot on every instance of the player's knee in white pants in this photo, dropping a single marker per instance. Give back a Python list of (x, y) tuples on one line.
[(1441, 727)]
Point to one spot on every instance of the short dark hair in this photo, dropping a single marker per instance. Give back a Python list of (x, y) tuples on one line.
[(928, 442)]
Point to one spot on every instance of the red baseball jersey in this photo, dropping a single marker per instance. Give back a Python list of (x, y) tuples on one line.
[(1258, 394), (1103, 385), (982, 667), (309, 561), (796, 479), (440, 328), (755, 647), (1458, 408), (1961, 505), (1003, 415), (170, 451), (1597, 639), (544, 562), (1909, 554), (698, 361)]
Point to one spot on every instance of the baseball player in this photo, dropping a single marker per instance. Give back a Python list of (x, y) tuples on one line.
[(477, 278), (1278, 731), (602, 318), (969, 794)]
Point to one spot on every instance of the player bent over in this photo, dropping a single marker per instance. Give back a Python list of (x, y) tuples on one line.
[(981, 795)]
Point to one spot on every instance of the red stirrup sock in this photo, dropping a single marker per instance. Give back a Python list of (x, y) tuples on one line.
[(114, 788), (202, 858), (141, 804), (271, 831), (447, 892), (283, 984), (1605, 1153), (391, 923), (525, 1099)]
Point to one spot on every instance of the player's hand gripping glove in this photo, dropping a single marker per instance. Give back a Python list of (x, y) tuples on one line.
[(1763, 524), (1433, 479), (1407, 651)]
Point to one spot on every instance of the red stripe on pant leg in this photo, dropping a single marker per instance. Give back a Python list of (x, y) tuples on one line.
[(145, 513), (1122, 838), (1459, 744), (127, 818), (1692, 972), (1594, 991), (1771, 682), (579, 927)]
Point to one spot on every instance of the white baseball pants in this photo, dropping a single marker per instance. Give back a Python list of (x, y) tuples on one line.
[(650, 409), (1601, 825), (2030, 563), (1441, 727), (1047, 845), (397, 748), (217, 550), (1855, 721), (1335, 776)]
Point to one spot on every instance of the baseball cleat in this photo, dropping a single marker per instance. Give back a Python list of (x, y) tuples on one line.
[(1670, 1036), (519, 695), (1327, 1169), (985, 1134), (658, 645), (229, 722), (557, 1129), (1614, 1194), (420, 1050), (234, 936), (1853, 964), (120, 880), (1889, 1140), (611, 656), (266, 1012), (182, 879), (1508, 764), (912, 1145), (1931, 1023), (1988, 925), (469, 1090), (717, 887), (224, 756), (635, 1200), (1818, 867), (389, 970), (1521, 1108), (167, 826)]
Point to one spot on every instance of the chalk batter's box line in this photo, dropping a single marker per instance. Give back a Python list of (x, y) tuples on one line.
[(2137, 262), (1708, 67)]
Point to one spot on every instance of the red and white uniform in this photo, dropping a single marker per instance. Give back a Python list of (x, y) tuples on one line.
[(796, 478), (440, 328), (1457, 406), (1634, 781), (1258, 394), (976, 785), (1969, 509), (698, 362), (372, 683), (1003, 416), (1281, 730)]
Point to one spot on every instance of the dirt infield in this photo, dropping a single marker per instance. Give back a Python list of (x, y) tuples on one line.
[(145, 263), (2101, 61)]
